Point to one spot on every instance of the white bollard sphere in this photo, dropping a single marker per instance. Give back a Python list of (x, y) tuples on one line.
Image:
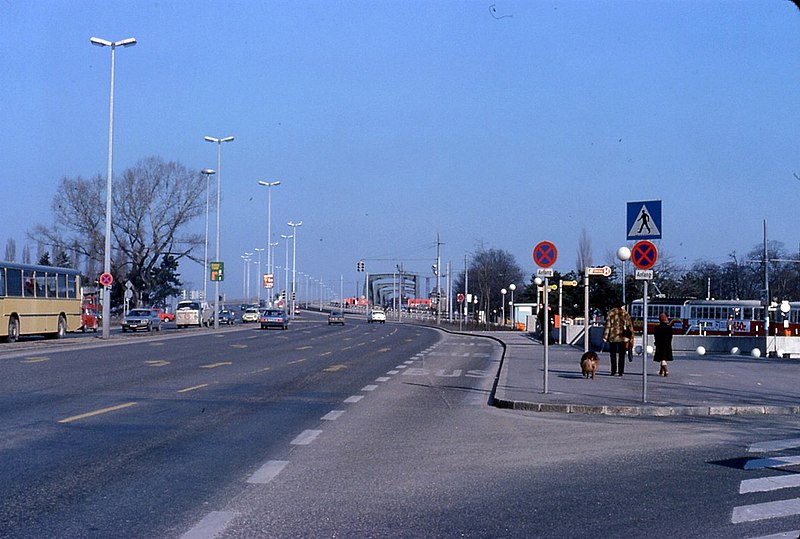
[(650, 349), (756, 352), (735, 351), (701, 350), (637, 349), (780, 352)]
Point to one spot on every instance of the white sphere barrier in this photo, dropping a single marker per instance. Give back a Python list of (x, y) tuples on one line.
[(637, 349), (735, 351), (756, 352), (701, 350), (650, 349), (780, 352)]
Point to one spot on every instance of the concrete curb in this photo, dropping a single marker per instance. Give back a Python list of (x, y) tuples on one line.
[(647, 411)]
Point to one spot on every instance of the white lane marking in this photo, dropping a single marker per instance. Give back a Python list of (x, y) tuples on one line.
[(409, 362), (211, 525), (382, 379), (765, 484), (306, 437), (371, 387), (774, 445), (333, 415), (774, 462), (353, 399), (268, 471), (761, 511), (392, 372), (782, 535), (401, 366)]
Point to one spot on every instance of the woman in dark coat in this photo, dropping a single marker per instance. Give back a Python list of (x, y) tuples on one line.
[(663, 342)]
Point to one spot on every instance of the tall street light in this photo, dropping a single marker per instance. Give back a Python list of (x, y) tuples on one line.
[(207, 172), (287, 237), (130, 42), (218, 142), (260, 278), (294, 260), (269, 186), (513, 287)]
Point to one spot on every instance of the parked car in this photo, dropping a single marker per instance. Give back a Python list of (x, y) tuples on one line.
[(336, 317), (164, 315), (226, 317), (273, 318), (250, 315), (144, 319), (376, 314)]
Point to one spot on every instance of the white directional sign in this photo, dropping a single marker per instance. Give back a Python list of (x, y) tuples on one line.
[(644, 275), (545, 272), (605, 271), (644, 220)]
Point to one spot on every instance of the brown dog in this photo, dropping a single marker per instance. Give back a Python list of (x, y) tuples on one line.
[(589, 363)]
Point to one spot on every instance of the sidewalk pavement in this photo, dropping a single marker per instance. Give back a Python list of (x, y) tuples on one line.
[(720, 384)]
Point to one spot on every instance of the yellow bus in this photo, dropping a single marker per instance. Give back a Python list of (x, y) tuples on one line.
[(38, 300)]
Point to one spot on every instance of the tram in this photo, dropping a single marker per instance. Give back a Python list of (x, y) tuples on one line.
[(716, 317)]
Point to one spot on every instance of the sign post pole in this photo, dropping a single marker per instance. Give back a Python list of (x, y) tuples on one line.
[(546, 333), (644, 255), (545, 255), (644, 345)]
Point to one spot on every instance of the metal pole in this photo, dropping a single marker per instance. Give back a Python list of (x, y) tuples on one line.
[(545, 335), (644, 346), (560, 311), (586, 310), (107, 255)]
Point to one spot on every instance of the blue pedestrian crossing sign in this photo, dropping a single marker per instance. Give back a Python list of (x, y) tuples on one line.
[(644, 220)]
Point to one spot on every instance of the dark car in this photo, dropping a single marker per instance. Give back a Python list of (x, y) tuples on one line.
[(227, 317), (144, 319), (273, 318), (336, 317)]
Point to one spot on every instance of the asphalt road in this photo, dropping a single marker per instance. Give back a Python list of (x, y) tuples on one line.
[(366, 430)]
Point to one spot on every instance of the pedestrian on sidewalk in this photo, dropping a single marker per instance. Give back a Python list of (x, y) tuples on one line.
[(663, 341), (617, 332)]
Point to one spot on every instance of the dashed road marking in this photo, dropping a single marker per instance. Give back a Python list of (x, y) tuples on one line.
[(382, 379), (393, 372), (306, 437), (268, 472), (353, 399), (215, 365), (238, 346), (335, 368), (193, 388), (765, 484), (371, 387), (97, 412), (296, 361), (35, 359), (333, 415), (210, 526), (761, 511), (157, 363)]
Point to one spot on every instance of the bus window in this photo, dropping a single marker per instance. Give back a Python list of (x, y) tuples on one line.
[(51, 285), (2, 282), (41, 285), (14, 282), (71, 288), (28, 286), (62, 285)]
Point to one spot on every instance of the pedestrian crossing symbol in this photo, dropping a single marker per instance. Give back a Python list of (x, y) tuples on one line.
[(644, 220)]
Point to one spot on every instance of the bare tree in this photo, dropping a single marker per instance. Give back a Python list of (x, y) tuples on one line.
[(11, 250), (26, 254), (584, 251)]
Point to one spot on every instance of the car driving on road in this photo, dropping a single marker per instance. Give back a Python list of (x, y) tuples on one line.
[(250, 315), (273, 318), (376, 314), (336, 317), (141, 319)]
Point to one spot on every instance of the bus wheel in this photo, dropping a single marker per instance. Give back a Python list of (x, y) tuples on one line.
[(13, 330)]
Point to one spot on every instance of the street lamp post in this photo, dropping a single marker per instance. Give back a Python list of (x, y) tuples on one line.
[(513, 287), (503, 293), (269, 186), (207, 172), (294, 260), (218, 142), (129, 42), (260, 278), (287, 237)]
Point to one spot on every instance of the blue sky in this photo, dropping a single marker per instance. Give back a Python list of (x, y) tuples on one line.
[(501, 123)]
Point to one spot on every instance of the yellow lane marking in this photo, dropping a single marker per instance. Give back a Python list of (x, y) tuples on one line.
[(323, 354), (303, 348), (157, 362), (335, 368), (384, 349), (296, 361), (35, 359), (97, 412), (215, 365), (238, 346), (192, 388)]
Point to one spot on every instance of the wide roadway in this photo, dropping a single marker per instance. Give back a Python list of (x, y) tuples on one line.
[(378, 430)]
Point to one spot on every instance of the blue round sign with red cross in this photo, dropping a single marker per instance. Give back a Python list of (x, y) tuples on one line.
[(545, 254), (644, 255)]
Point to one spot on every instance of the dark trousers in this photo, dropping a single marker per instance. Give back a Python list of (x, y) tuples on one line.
[(618, 351)]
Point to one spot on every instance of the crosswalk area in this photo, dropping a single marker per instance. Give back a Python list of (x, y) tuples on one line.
[(778, 460)]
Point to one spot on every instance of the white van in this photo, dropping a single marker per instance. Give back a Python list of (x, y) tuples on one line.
[(192, 313)]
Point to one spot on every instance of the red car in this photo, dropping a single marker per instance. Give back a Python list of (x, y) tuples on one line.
[(163, 315), (90, 319)]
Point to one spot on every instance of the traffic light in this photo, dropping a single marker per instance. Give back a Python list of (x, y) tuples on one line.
[(360, 265), (294, 295)]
